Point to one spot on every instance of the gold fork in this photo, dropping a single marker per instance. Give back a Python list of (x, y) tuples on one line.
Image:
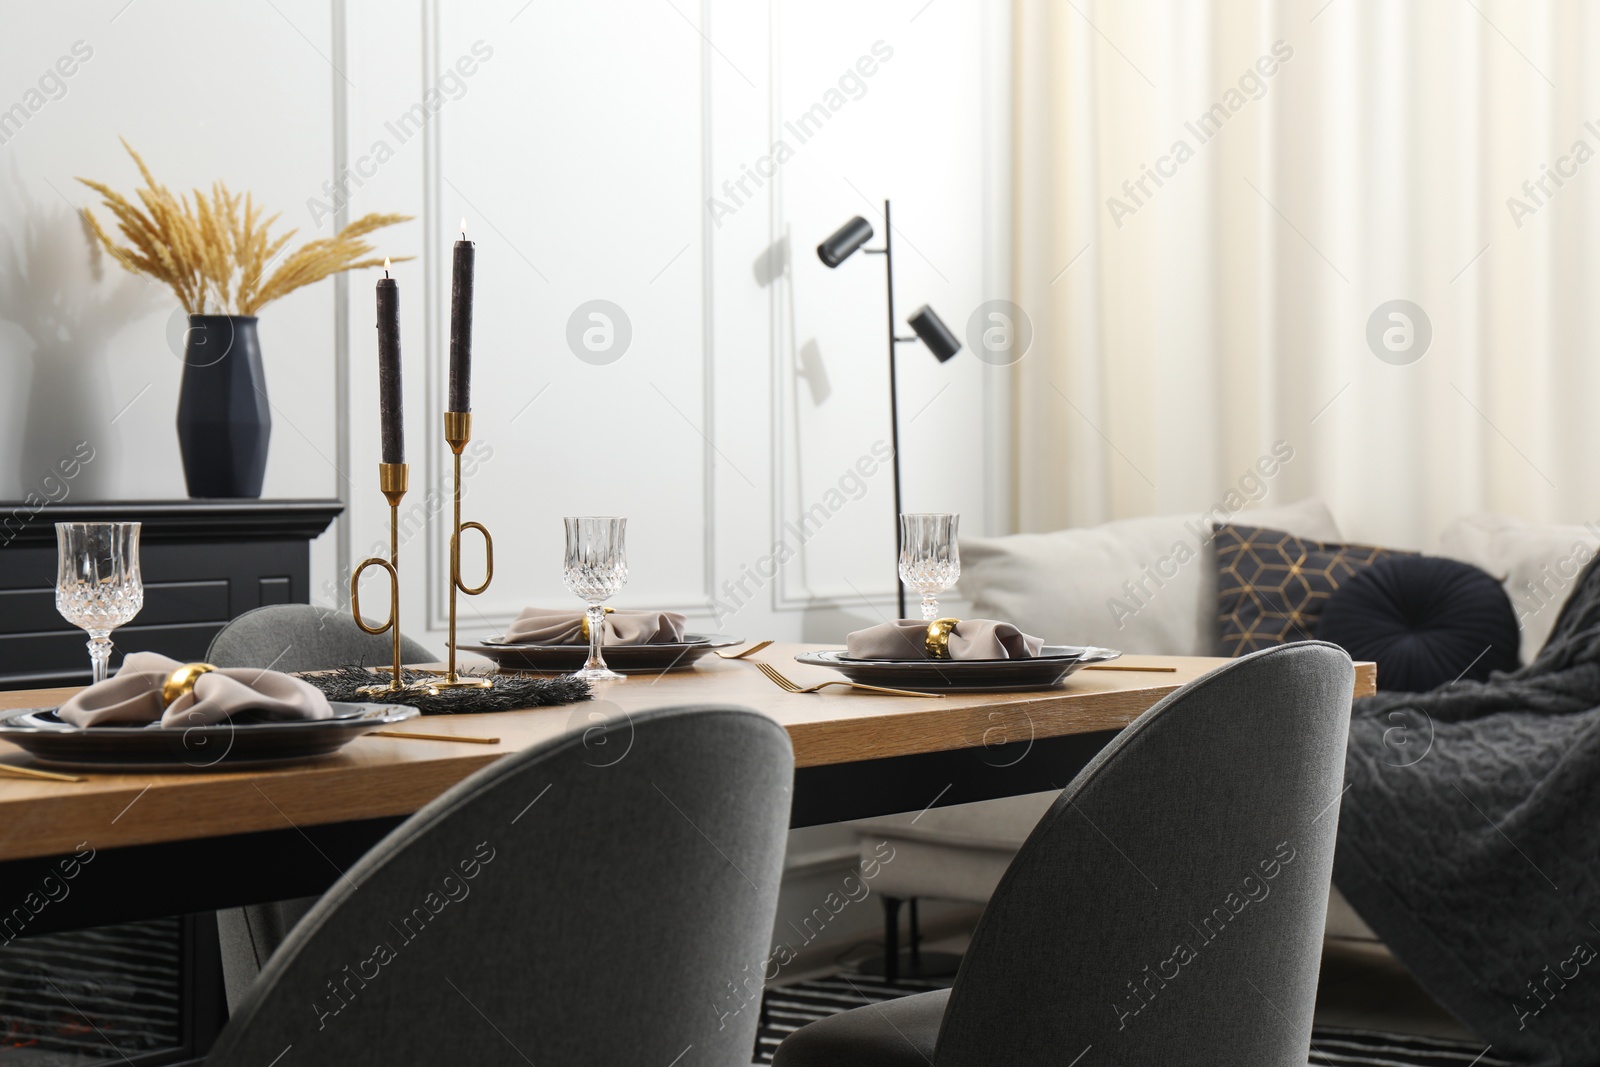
[(743, 652), (787, 686)]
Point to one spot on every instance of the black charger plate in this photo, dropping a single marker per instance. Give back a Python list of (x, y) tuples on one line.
[(41, 734), (624, 659), (1045, 671)]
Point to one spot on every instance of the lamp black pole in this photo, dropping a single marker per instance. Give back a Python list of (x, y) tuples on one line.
[(928, 327), (887, 251)]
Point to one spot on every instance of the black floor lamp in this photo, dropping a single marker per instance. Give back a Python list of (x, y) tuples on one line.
[(925, 325)]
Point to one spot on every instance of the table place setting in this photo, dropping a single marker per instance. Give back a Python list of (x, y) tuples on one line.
[(598, 643), (157, 713), (552, 639), (937, 653)]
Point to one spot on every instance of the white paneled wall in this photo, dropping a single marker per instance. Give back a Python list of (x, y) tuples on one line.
[(91, 353), (679, 162)]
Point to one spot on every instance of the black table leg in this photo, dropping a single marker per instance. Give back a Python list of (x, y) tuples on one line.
[(891, 939)]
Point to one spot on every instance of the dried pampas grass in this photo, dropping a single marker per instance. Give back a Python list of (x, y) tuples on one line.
[(214, 251)]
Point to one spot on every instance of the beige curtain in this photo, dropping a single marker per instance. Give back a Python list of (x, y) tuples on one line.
[(1311, 162)]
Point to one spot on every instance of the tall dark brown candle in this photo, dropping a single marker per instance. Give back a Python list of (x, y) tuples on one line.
[(461, 325), (390, 406)]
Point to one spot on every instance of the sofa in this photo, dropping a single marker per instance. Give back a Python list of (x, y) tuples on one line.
[(1149, 585)]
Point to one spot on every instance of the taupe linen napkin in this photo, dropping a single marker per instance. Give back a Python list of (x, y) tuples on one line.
[(543, 626), (971, 639), (132, 696)]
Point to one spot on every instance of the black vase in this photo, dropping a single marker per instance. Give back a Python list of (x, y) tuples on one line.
[(223, 418)]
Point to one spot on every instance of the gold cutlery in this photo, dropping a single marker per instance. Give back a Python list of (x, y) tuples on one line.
[(464, 738), (787, 686), (742, 653), (1127, 667), (28, 772)]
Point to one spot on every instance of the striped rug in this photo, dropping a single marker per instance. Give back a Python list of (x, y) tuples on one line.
[(91, 996), (791, 1007)]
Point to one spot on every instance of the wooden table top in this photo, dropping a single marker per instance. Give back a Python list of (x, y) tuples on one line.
[(379, 776)]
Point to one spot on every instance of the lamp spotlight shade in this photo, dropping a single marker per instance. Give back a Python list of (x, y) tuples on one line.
[(934, 333), (844, 242)]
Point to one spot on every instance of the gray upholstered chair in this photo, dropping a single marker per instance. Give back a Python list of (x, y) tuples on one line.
[(287, 637), (304, 637), (1169, 906), (554, 908)]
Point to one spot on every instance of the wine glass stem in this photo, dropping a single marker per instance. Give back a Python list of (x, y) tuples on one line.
[(596, 613), (930, 606), (100, 653)]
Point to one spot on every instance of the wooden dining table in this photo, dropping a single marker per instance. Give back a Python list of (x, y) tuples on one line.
[(169, 842)]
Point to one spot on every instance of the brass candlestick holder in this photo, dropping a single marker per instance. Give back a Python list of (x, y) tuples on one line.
[(393, 480), (457, 432)]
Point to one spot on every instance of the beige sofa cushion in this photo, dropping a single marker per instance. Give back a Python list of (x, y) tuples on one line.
[(952, 853), (960, 853), (1537, 564), (1145, 585), (1344, 922)]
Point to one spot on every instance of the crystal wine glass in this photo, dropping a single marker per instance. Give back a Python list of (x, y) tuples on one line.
[(596, 570), (97, 582), (930, 560)]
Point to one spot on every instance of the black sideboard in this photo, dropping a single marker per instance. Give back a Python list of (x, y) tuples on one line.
[(203, 562)]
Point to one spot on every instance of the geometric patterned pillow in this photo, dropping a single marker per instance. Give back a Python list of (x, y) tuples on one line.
[(1272, 586)]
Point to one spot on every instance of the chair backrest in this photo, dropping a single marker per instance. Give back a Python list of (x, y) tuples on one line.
[(303, 637), (1169, 907), (607, 897)]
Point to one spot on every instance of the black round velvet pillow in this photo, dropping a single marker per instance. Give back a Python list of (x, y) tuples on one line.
[(1425, 621)]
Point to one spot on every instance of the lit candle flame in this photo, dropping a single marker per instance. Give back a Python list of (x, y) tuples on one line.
[(463, 227), (385, 266)]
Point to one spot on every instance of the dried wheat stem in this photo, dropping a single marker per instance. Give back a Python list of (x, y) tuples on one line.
[(213, 252)]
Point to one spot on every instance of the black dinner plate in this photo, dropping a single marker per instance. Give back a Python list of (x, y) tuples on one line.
[(1044, 671), (624, 659), (227, 745)]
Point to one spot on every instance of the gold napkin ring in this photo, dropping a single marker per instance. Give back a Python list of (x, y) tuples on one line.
[(583, 622), (182, 681), (937, 642)]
